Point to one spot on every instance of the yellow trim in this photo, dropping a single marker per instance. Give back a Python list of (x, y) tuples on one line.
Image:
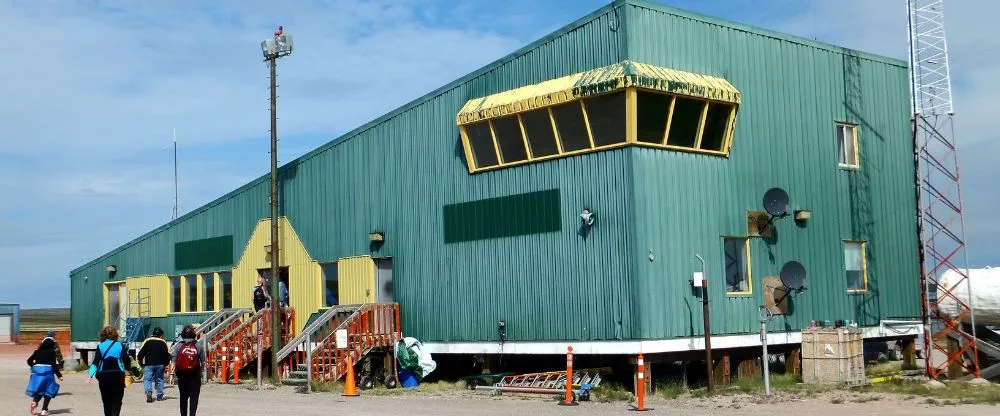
[(469, 160), (557, 156), (631, 116), (555, 130), (857, 148), (749, 268), (701, 126), (496, 145), (682, 149), (524, 137), (670, 119), (864, 265), (730, 130), (122, 284), (586, 123), (611, 78)]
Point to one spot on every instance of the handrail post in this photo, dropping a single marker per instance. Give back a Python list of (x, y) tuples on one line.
[(309, 363)]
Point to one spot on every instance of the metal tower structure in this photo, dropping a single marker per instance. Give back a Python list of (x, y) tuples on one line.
[(939, 199)]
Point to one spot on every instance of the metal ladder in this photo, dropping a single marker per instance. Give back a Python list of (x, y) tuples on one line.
[(552, 382)]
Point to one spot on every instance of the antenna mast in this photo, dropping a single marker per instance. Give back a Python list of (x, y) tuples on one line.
[(177, 201), (940, 223)]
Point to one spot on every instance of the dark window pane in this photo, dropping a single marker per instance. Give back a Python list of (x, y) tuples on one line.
[(331, 294), (736, 265), (606, 114), (481, 142), (572, 130), (716, 122), (684, 125), (208, 284), (192, 292), (508, 133), (652, 114), (538, 127), (226, 279), (175, 286)]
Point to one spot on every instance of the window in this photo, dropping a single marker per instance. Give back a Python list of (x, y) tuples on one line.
[(508, 133), (208, 291), (330, 291), (572, 128), (481, 142), (538, 128), (855, 266), (192, 293), (713, 136), (175, 289), (847, 145), (737, 265), (653, 112), (606, 116), (684, 122), (226, 280)]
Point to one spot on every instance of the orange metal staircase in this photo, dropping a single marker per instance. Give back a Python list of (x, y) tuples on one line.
[(372, 327), (234, 342)]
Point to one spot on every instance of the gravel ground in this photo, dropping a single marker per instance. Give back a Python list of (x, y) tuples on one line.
[(79, 398)]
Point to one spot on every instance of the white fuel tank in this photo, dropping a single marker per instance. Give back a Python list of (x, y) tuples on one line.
[(985, 286)]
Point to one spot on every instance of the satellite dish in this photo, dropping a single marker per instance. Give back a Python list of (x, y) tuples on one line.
[(793, 276), (776, 202)]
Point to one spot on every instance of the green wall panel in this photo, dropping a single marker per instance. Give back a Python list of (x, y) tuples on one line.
[(397, 174), (507, 216), (204, 253)]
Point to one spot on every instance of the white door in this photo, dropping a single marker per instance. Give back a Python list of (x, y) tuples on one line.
[(6, 327)]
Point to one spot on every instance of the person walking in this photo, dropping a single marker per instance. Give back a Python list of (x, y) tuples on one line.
[(109, 369), (154, 357), (44, 371), (188, 357), (59, 356)]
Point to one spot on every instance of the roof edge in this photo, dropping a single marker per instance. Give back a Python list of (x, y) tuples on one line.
[(652, 5), (364, 127)]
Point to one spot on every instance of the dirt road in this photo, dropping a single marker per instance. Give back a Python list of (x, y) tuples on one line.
[(79, 398)]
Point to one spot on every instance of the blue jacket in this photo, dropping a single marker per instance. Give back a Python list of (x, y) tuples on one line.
[(116, 350)]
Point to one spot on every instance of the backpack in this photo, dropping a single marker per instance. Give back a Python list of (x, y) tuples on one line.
[(187, 357), (259, 300)]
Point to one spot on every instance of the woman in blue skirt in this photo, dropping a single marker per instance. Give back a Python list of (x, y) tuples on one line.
[(44, 371)]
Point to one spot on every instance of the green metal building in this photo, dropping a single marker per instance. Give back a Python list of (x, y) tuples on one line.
[(667, 125)]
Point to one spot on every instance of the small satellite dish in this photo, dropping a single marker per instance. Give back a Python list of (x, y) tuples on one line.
[(793, 276), (587, 217), (776, 202)]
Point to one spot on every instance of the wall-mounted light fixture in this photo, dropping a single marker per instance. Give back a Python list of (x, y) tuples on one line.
[(803, 215), (588, 217), (376, 237), (111, 268)]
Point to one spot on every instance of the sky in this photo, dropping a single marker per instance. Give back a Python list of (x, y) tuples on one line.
[(94, 89)]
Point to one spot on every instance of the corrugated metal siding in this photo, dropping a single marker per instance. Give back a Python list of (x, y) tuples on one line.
[(173, 322), (157, 288), (785, 136), (355, 280), (14, 310)]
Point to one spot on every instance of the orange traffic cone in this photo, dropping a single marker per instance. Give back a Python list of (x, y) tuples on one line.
[(350, 389)]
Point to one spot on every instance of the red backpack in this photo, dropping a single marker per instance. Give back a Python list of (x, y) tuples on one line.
[(187, 357)]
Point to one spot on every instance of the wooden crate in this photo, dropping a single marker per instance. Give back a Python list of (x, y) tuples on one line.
[(833, 356)]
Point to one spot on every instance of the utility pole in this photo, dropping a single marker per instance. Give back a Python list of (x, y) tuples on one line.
[(279, 46)]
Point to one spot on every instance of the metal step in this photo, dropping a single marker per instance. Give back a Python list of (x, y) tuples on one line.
[(298, 374), (294, 381)]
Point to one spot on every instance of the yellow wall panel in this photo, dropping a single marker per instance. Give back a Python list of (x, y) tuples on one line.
[(304, 273), (157, 288), (356, 280)]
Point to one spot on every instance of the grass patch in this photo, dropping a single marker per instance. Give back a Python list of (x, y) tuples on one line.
[(883, 369), (756, 384), (866, 399), (953, 392), (671, 390), (611, 392), (837, 400), (81, 367)]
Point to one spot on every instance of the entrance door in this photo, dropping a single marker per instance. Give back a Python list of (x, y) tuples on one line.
[(6, 327), (282, 278), (114, 304), (383, 280)]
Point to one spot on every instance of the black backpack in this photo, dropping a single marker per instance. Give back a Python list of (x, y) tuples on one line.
[(259, 300)]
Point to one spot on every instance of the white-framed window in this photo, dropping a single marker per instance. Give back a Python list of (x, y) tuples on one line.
[(847, 145)]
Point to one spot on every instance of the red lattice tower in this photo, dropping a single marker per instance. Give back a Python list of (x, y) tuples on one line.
[(939, 198)]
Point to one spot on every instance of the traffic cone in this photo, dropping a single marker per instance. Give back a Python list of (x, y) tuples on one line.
[(350, 389), (237, 365)]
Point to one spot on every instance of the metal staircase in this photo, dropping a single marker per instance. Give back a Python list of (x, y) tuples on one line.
[(136, 320), (232, 343), (315, 353)]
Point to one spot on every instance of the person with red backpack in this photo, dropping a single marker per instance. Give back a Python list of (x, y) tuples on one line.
[(188, 357)]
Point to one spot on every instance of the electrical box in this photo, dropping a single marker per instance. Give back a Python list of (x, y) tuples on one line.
[(698, 280)]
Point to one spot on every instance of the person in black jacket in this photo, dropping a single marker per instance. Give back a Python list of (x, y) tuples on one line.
[(154, 356), (44, 371)]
